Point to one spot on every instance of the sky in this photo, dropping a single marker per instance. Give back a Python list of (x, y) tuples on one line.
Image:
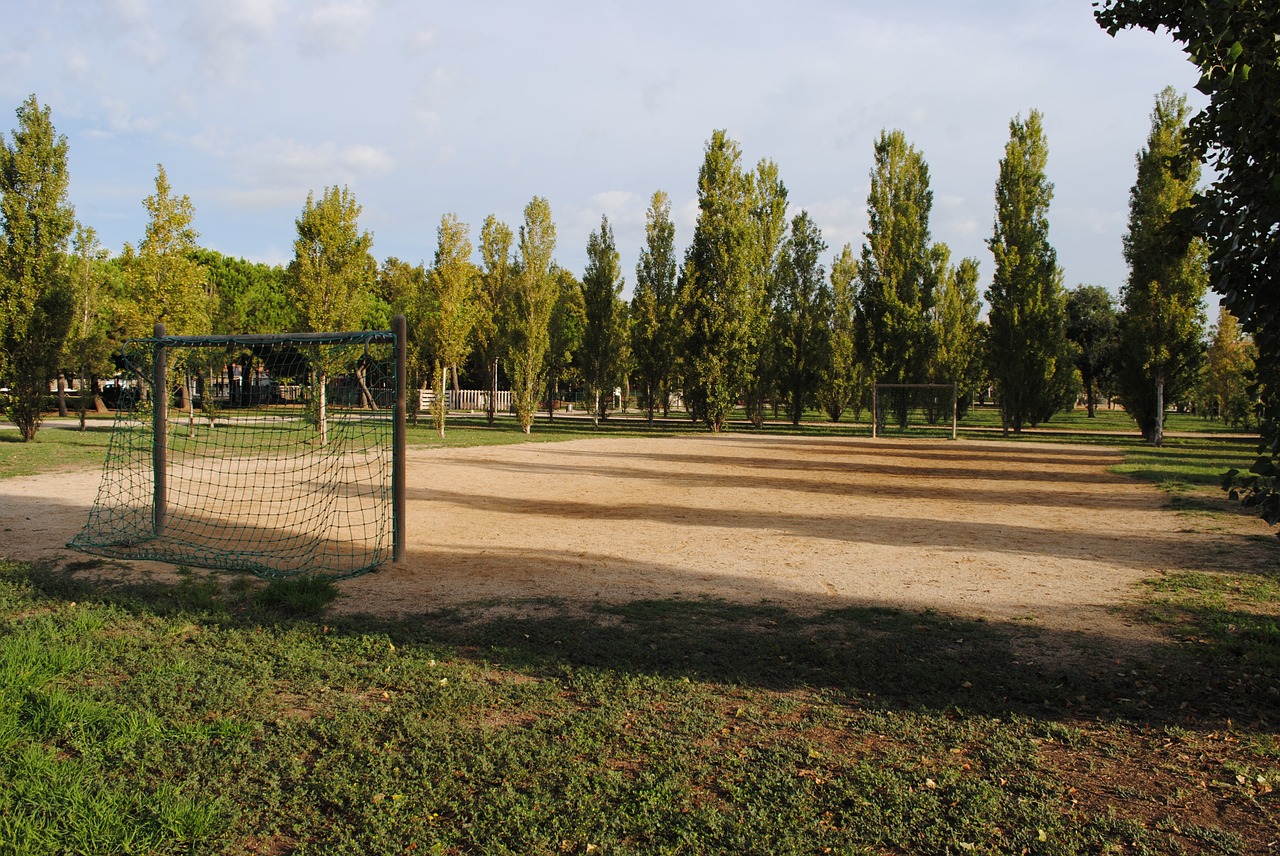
[(427, 108)]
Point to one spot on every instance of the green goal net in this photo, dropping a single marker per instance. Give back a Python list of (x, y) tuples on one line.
[(913, 409), (277, 455)]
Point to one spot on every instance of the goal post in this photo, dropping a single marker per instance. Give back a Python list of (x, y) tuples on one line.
[(907, 406), (281, 455)]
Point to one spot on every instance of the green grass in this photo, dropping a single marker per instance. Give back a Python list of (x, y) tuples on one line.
[(53, 450), (193, 719)]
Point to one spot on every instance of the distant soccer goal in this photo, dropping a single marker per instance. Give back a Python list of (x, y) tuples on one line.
[(278, 455), (913, 408)]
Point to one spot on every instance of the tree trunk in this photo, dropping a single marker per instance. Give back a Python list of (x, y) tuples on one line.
[(1157, 425), (493, 392), (1088, 395), (438, 406), (62, 393)]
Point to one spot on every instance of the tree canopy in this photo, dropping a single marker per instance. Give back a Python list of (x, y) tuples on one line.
[(36, 299)]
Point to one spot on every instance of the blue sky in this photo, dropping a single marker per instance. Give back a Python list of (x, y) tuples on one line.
[(424, 108)]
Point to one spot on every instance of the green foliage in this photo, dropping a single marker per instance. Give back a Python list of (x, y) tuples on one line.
[(94, 323), (533, 298), (1091, 327), (495, 300), (605, 332), (654, 327), (36, 297), (451, 288), (1161, 324), (767, 204), (166, 282), (896, 274), (1227, 391), (716, 287), (403, 287), (332, 274), (1029, 354), (1234, 46), (957, 332), (564, 334), (249, 297), (801, 316), (840, 381)]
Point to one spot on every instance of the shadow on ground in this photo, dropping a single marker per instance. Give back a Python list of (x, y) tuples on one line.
[(1217, 665)]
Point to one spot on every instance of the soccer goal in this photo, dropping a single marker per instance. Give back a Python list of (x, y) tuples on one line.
[(279, 455), (913, 408)]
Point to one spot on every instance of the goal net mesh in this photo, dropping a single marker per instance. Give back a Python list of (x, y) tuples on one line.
[(914, 408), (276, 455)]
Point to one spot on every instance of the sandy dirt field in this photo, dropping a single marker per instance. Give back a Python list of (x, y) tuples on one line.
[(1034, 533)]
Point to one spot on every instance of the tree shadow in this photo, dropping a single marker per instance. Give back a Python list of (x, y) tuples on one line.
[(1220, 665)]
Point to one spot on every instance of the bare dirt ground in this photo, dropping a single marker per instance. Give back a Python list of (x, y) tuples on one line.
[(1039, 534)]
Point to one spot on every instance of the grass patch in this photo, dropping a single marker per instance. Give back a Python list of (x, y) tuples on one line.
[(53, 450), (298, 596), (194, 718)]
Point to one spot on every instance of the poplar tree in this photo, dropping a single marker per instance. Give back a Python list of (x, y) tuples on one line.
[(36, 299), (895, 274), (767, 205), (451, 289), (800, 319), (331, 276), (90, 341), (1162, 304), (166, 281), (1029, 354), (957, 332), (1234, 46), (840, 380), (404, 287), (533, 299), (1229, 367), (654, 327), (494, 301), (602, 338), (565, 332), (715, 287)]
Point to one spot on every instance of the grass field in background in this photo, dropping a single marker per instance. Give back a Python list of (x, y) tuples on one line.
[(220, 715)]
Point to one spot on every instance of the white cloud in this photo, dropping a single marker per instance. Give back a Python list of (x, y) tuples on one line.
[(334, 27)]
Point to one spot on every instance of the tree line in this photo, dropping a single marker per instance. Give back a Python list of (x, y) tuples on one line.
[(747, 318)]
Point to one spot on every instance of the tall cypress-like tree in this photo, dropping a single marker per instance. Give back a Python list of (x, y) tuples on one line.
[(90, 341), (1162, 305), (565, 330), (533, 299), (36, 301), (1229, 368), (767, 203), (602, 340), (1030, 356), (800, 318), (331, 276), (1234, 46), (497, 285), (841, 378), (896, 273), (957, 332), (167, 283), (715, 288), (451, 289), (653, 308)]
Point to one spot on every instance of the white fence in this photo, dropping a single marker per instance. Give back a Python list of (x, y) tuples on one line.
[(467, 399)]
